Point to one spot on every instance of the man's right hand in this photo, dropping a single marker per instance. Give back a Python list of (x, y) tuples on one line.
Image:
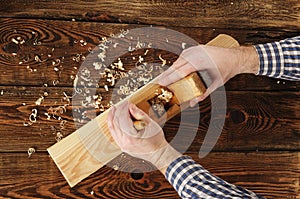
[(221, 64)]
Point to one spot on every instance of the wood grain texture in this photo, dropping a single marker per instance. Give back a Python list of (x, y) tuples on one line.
[(254, 120), (263, 113), (271, 174), (57, 40), (211, 13), (92, 146)]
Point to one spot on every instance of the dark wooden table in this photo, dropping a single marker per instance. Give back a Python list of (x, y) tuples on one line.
[(259, 148)]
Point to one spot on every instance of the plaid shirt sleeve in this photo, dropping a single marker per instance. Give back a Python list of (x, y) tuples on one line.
[(280, 59), (191, 180)]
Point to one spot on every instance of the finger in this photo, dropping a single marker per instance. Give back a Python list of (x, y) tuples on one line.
[(110, 117), (124, 119), (151, 129), (137, 113), (208, 91), (179, 62), (139, 116), (176, 75), (139, 125), (175, 66), (115, 133), (163, 78)]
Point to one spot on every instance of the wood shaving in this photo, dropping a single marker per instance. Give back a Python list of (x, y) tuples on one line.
[(165, 95), (163, 60), (48, 116), (159, 102), (62, 124), (27, 123), (39, 100), (141, 59), (56, 62), (115, 167), (14, 40), (59, 136), (146, 52), (106, 87), (115, 45), (30, 151), (55, 82), (97, 65), (102, 56), (30, 69), (38, 59), (32, 116), (37, 43)]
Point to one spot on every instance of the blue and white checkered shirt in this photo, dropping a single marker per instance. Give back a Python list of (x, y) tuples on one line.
[(278, 59)]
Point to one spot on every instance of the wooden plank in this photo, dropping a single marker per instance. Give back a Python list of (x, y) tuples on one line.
[(254, 120), (271, 174), (212, 13), (61, 35)]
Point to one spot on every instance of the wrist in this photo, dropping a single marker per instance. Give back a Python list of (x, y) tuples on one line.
[(248, 60), (164, 157)]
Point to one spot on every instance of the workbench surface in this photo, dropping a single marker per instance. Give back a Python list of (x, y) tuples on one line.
[(42, 45)]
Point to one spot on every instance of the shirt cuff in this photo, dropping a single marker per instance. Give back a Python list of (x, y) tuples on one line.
[(271, 60), (179, 172)]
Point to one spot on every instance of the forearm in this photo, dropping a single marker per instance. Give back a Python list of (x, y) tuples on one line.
[(249, 59)]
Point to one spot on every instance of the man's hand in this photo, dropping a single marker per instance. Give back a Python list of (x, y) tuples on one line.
[(221, 64), (148, 144)]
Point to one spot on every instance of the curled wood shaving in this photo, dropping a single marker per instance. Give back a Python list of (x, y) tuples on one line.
[(163, 60), (38, 59), (56, 62), (165, 95), (30, 151), (55, 82), (37, 43), (27, 123), (59, 136), (32, 116)]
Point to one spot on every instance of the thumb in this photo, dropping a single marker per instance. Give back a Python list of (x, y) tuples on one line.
[(137, 113)]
